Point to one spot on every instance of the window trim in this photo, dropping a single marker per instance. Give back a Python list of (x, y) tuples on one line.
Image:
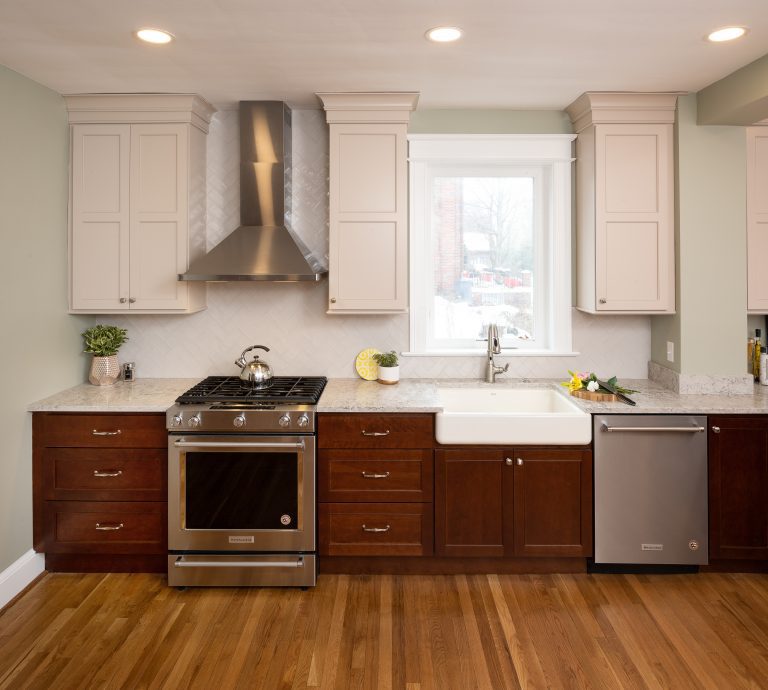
[(550, 152)]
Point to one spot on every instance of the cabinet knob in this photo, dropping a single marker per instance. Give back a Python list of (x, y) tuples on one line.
[(716, 429), (131, 299), (509, 461), (519, 461), (602, 300), (333, 300), (123, 300)]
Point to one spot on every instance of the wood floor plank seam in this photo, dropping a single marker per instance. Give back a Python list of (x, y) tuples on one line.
[(447, 632)]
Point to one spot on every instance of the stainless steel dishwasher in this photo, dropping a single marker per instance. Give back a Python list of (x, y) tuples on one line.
[(651, 489)]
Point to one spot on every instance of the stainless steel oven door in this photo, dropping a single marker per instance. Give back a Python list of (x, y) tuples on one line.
[(241, 493)]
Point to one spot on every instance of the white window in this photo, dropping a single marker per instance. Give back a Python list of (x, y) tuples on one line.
[(490, 233)]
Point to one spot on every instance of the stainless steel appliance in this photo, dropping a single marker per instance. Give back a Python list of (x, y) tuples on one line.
[(241, 483), (651, 489)]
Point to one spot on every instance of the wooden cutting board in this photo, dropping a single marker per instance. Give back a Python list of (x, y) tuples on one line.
[(594, 397)]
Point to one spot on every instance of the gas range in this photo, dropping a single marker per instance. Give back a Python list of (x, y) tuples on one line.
[(241, 483), (227, 404)]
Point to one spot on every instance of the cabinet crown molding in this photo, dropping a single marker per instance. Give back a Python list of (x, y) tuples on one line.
[(98, 108), (615, 107), (395, 106)]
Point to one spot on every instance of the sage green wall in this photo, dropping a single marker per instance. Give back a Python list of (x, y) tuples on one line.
[(711, 227), (741, 98), (41, 343), (490, 122)]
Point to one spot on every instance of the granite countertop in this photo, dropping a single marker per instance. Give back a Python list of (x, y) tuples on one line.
[(409, 395), (141, 395)]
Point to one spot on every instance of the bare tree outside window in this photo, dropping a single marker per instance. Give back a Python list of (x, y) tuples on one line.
[(484, 256)]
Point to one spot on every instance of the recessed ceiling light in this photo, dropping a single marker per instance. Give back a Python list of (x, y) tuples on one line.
[(154, 36), (444, 34), (727, 33)]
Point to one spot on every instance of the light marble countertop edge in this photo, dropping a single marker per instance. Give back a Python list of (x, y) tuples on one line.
[(409, 395)]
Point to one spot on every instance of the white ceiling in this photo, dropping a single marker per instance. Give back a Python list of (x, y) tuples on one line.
[(515, 54)]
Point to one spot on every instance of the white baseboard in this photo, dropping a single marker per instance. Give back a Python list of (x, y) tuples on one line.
[(19, 574)]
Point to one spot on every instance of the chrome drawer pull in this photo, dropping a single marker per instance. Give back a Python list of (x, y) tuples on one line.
[(375, 433), (238, 444), (181, 563), (377, 529), (668, 429), (109, 527), (374, 475), (107, 473), (106, 433)]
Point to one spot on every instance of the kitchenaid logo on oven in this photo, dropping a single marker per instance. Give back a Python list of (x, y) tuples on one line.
[(241, 539)]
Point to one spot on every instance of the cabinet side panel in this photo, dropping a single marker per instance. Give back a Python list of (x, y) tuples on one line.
[(585, 220), (757, 219)]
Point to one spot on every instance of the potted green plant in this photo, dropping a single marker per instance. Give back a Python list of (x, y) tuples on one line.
[(389, 369), (103, 342)]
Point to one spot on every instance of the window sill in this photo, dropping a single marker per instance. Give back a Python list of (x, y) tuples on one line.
[(505, 352)]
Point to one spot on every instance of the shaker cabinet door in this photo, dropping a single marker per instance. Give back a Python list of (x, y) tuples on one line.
[(100, 217)]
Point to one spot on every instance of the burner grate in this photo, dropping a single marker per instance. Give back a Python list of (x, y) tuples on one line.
[(290, 389)]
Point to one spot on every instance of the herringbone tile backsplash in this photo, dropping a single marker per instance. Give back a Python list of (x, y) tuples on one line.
[(290, 318)]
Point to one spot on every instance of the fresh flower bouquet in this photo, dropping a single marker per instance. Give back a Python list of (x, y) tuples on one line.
[(588, 380)]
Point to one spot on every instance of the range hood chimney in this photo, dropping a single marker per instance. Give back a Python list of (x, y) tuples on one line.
[(264, 247)]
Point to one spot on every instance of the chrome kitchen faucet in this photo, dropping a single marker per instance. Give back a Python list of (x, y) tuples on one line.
[(494, 348)]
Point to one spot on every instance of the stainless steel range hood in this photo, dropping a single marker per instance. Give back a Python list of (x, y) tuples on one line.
[(264, 247)]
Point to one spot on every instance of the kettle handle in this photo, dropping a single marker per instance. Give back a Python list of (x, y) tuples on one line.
[(241, 362)]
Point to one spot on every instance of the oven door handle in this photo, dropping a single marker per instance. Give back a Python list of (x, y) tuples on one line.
[(238, 444), (181, 563)]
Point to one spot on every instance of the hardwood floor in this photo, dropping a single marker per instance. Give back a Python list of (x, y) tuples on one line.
[(412, 632)]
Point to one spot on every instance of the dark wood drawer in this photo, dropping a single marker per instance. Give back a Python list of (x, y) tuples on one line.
[(375, 529), (369, 430), (109, 474), (103, 430), (79, 527), (375, 475)]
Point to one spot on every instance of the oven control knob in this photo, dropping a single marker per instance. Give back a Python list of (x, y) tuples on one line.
[(284, 421), (176, 420), (303, 420), (239, 421), (195, 421)]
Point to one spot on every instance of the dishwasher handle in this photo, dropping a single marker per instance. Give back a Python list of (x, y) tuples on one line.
[(672, 429)]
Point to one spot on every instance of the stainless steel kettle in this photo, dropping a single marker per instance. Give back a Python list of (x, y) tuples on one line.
[(256, 373)]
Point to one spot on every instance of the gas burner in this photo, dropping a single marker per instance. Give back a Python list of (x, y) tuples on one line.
[(231, 389)]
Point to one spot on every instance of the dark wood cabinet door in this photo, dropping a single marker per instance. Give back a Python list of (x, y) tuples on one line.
[(473, 503), (553, 502), (738, 487)]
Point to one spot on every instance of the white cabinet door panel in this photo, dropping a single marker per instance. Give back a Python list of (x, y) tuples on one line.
[(631, 173), (158, 211), (630, 268), (634, 223), (99, 217), (375, 191), (367, 265)]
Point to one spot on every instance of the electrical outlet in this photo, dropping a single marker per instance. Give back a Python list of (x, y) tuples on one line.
[(670, 351)]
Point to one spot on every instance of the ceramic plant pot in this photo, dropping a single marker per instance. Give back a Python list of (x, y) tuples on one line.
[(389, 375), (104, 370)]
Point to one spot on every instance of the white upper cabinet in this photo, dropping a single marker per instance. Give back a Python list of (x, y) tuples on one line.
[(368, 200), (625, 202), (757, 219), (137, 207)]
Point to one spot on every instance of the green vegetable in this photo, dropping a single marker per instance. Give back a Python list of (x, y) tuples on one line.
[(104, 341)]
